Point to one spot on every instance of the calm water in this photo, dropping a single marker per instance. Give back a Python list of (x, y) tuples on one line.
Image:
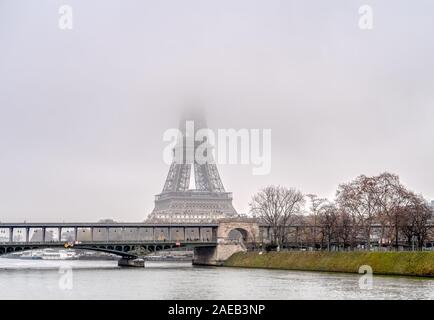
[(38, 279)]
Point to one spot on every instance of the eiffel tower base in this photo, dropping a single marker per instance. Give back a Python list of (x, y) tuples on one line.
[(192, 207)]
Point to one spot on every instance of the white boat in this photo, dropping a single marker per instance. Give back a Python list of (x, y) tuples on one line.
[(51, 254)]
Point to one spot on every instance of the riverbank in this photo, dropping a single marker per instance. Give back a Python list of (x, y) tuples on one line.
[(388, 263)]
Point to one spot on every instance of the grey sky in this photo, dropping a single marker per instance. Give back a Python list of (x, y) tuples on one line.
[(83, 111)]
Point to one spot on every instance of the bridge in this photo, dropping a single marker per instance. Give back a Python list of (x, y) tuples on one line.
[(211, 242)]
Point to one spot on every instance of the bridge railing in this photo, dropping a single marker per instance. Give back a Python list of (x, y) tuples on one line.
[(72, 244)]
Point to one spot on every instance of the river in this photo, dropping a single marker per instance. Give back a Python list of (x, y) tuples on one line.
[(42, 279)]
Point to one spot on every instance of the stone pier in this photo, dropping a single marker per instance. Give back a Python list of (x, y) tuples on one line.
[(215, 256), (137, 262), (226, 247)]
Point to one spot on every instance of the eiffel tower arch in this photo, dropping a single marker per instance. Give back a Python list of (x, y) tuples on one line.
[(207, 201)]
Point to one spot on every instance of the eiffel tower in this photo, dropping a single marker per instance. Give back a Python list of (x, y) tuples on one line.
[(206, 202)]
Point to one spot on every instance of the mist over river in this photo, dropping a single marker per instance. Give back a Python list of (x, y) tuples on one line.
[(42, 279)]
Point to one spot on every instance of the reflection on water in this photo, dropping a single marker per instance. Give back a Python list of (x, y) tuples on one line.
[(39, 279)]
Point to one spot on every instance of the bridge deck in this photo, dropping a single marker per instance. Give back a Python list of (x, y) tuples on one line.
[(102, 225), (105, 234)]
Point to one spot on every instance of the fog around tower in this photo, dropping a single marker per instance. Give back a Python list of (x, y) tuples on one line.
[(83, 111)]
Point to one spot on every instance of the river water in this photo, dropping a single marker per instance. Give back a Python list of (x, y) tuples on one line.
[(42, 279)]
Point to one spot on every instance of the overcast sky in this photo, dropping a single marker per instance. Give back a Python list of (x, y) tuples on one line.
[(83, 111)]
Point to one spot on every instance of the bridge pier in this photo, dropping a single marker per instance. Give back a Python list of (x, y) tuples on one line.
[(226, 247), (134, 262), (216, 256)]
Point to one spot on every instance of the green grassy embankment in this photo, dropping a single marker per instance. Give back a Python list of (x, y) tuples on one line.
[(393, 263)]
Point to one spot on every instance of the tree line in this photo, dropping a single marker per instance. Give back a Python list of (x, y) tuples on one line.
[(377, 210)]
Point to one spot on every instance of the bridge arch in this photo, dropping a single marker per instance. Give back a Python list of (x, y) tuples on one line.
[(13, 249), (247, 230), (118, 250), (238, 234), (121, 252)]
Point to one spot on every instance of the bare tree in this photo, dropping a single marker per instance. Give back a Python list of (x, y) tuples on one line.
[(383, 199), (392, 199), (359, 198), (329, 223), (407, 228), (315, 207), (360, 206), (275, 205), (423, 214), (414, 223), (346, 230)]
